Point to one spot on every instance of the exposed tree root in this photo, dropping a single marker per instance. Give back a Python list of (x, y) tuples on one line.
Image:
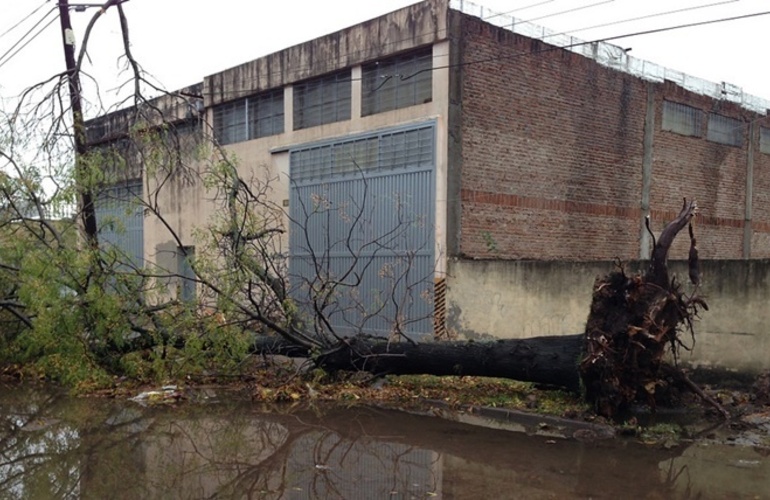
[(633, 322), (683, 379)]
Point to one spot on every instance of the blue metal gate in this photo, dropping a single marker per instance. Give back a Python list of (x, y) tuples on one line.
[(120, 219), (362, 235)]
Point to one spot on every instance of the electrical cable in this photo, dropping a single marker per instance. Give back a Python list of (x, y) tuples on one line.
[(20, 40), (582, 7), (639, 18), (304, 68), (247, 92), (24, 19), (600, 40), (509, 12), (235, 94)]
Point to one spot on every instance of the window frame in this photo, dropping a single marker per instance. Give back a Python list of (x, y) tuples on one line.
[(734, 126), (764, 139), (322, 100), (671, 120), (187, 284), (266, 108), (247, 118), (397, 82)]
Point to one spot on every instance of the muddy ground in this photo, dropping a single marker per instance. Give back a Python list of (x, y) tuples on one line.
[(495, 402)]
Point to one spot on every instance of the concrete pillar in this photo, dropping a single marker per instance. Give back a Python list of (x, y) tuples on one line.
[(647, 145), (747, 231), (288, 108), (356, 91)]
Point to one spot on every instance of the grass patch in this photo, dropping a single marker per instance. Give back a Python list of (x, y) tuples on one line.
[(411, 390)]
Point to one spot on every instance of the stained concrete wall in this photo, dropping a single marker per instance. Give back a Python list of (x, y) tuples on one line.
[(414, 26), (520, 299), (168, 108)]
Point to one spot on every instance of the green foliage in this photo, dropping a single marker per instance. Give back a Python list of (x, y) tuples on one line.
[(58, 346), (92, 316), (83, 316)]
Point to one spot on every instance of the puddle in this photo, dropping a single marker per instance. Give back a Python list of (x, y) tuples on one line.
[(55, 446)]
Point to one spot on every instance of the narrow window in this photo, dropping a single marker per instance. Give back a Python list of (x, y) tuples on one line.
[(186, 275), (397, 82), (322, 100), (681, 118), (725, 130), (764, 140)]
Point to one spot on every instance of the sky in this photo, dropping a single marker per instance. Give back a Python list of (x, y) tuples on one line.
[(179, 42)]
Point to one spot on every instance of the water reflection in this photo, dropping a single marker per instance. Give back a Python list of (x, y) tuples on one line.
[(52, 446)]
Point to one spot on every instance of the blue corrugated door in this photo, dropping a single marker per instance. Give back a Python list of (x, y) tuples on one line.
[(120, 219), (363, 213)]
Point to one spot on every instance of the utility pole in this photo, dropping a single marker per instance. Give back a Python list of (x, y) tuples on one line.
[(81, 147)]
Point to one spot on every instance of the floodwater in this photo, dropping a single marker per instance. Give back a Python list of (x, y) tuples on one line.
[(56, 446)]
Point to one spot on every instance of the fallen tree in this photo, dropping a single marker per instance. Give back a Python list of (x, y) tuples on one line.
[(544, 360), (635, 321)]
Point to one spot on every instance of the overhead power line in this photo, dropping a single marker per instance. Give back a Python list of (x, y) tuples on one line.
[(24, 19), (600, 40), (238, 93), (509, 12), (640, 18), (5, 58), (575, 9)]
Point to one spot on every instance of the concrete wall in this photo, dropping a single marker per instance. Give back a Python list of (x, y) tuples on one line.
[(560, 157), (418, 25), (173, 107), (177, 193), (520, 299)]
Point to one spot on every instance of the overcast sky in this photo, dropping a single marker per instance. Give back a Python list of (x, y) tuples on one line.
[(181, 41)]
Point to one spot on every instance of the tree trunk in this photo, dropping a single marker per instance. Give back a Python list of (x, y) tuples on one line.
[(544, 360)]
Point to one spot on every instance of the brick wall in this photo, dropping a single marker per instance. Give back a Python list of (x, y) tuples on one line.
[(552, 146), (760, 241), (713, 173)]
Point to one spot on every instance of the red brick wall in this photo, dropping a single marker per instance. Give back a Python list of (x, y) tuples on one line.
[(760, 242), (713, 173), (552, 151)]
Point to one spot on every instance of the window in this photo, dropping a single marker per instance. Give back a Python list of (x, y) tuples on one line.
[(250, 118), (725, 130), (186, 275), (322, 100), (265, 114), (230, 122), (397, 82), (764, 140), (681, 118), (377, 153)]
